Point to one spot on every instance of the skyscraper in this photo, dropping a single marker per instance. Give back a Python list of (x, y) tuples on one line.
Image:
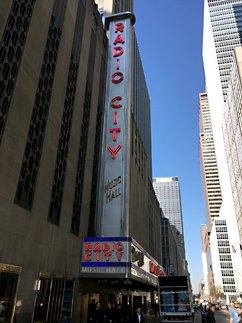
[(225, 17), (232, 131), (168, 194), (208, 163), (222, 32)]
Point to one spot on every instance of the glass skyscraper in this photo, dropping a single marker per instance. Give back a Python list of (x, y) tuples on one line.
[(168, 195)]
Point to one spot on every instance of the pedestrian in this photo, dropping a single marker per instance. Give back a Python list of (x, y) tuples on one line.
[(238, 309), (119, 314), (110, 314), (91, 309), (210, 314), (97, 316), (138, 317), (234, 314)]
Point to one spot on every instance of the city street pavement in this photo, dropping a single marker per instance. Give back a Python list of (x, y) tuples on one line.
[(220, 316)]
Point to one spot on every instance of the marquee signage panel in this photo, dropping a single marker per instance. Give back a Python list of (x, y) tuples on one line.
[(117, 256), (112, 217)]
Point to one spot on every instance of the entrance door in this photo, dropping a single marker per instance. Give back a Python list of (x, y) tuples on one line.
[(8, 286), (137, 302)]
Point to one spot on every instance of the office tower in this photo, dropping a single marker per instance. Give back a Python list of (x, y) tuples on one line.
[(232, 126), (225, 17), (208, 163), (52, 83), (168, 194), (222, 32)]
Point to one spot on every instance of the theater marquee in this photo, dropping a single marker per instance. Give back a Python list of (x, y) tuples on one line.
[(120, 257)]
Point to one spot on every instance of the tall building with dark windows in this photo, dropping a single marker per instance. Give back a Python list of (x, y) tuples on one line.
[(52, 86)]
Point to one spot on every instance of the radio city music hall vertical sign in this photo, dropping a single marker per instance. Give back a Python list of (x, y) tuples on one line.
[(113, 180)]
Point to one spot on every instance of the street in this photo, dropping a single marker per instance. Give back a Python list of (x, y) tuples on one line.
[(220, 316)]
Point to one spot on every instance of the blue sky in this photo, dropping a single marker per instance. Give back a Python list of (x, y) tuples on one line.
[(169, 34)]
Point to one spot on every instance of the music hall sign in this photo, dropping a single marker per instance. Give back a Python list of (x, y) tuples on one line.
[(112, 210)]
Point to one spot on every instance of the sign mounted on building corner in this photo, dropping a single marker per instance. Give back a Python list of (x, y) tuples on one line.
[(112, 212)]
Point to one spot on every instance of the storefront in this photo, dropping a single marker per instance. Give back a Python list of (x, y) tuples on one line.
[(118, 270)]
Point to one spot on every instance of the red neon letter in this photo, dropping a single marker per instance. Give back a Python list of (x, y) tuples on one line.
[(88, 247), (119, 27), (119, 39), (121, 77), (114, 152), (119, 246), (114, 131), (97, 247), (115, 53), (115, 117), (116, 106), (86, 256), (98, 256), (106, 246), (119, 255), (117, 64), (107, 254)]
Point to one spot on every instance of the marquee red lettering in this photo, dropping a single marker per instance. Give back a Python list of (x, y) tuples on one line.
[(119, 39), (119, 255), (119, 246), (116, 106), (115, 117), (114, 131), (120, 79), (97, 247), (119, 49), (107, 254), (86, 256), (106, 246), (117, 64), (119, 27), (114, 152), (88, 247), (98, 256)]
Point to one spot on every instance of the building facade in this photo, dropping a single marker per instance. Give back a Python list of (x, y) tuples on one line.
[(110, 7), (221, 33), (168, 194), (232, 126), (121, 262), (52, 83), (208, 163)]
